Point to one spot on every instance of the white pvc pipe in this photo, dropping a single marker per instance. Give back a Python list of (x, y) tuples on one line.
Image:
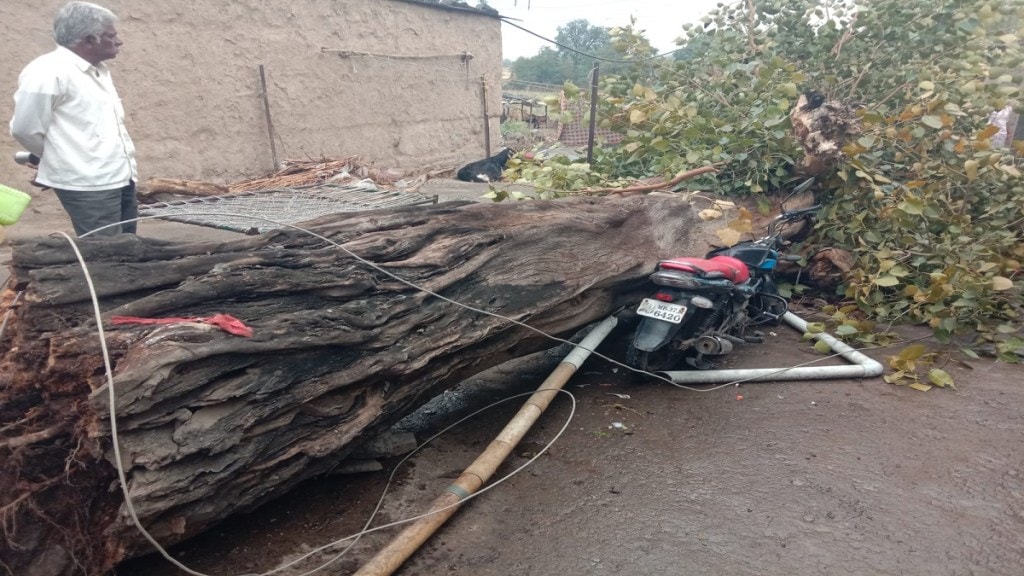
[(590, 342), (861, 366)]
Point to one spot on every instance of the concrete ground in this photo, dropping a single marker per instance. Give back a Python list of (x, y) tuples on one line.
[(839, 477)]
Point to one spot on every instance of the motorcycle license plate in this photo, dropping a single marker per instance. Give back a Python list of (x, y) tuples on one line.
[(661, 310)]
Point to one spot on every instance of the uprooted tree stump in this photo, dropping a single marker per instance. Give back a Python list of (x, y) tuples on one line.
[(212, 424), (822, 126)]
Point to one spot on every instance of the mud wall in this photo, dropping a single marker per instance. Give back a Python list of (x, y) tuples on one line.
[(383, 79)]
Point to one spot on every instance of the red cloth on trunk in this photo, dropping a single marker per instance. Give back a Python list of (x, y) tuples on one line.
[(225, 322)]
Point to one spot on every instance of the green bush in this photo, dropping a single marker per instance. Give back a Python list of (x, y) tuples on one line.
[(933, 215)]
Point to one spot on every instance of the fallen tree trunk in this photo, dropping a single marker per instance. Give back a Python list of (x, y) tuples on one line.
[(213, 424)]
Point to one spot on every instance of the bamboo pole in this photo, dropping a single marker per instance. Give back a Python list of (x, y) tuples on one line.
[(413, 536)]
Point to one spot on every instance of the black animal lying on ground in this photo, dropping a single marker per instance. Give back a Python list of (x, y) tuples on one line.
[(487, 170)]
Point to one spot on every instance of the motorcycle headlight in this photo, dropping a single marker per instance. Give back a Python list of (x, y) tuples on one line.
[(675, 280)]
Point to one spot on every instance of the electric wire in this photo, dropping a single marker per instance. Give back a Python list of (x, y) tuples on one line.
[(398, 466), (123, 481), (412, 285), (591, 56), (415, 286), (122, 477)]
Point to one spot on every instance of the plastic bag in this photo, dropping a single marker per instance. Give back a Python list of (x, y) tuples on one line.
[(1000, 119)]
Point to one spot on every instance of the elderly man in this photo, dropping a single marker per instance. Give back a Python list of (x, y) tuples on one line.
[(67, 112)]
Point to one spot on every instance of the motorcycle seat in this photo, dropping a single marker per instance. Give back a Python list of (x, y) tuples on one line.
[(727, 267)]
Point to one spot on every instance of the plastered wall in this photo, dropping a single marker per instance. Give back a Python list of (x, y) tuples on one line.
[(189, 78)]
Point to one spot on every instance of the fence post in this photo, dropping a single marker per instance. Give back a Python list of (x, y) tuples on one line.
[(593, 112), (487, 123), (266, 111)]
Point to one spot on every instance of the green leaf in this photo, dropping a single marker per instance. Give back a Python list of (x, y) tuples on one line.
[(912, 206), (887, 280), (895, 377), (815, 327), (971, 168), (912, 352), (932, 121), (1001, 283), (940, 378), (846, 330), (822, 347), (1011, 170)]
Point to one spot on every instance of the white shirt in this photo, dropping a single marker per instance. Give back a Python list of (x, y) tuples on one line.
[(67, 112)]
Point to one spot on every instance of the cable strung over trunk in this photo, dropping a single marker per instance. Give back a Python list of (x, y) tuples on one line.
[(213, 422)]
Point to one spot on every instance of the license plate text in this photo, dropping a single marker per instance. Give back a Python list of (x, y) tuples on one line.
[(661, 310)]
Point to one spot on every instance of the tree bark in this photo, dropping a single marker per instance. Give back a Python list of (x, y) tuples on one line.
[(212, 424)]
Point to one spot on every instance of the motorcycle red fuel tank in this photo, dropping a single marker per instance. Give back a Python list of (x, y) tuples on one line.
[(714, 267)]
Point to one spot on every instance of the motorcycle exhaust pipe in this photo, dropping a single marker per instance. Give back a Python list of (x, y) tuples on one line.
[(713, 346)]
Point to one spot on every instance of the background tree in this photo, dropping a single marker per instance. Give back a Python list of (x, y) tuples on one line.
[(547, 67), (581, 44), (579, 38)]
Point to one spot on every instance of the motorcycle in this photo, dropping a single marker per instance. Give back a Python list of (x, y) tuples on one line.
[(703, 307)]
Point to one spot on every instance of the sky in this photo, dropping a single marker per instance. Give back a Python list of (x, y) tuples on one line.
[(662, 19)]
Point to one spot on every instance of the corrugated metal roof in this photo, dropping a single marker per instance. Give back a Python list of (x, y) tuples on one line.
[(455, 6)]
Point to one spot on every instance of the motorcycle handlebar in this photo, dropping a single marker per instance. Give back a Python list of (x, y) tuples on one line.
[(26, 158), (790, 216), (799, 213)]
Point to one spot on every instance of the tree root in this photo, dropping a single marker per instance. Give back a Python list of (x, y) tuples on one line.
[(32, 438)]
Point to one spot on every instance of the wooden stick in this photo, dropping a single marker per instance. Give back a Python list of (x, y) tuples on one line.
[(266, 110), (155, 186), (592, 129), (487, 122)]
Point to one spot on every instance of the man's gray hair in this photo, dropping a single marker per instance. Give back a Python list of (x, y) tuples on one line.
[(76, 21)]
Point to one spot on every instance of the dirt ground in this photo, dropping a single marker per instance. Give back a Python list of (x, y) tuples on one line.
[(823, 477)]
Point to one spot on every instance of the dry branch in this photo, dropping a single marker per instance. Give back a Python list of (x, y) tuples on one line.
[(297, 173), (655, 185), (155, 186)]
